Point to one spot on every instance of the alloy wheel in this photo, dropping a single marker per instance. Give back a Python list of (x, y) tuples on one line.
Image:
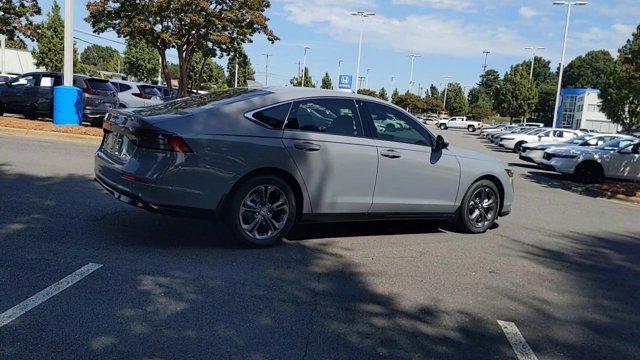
[(264, 212), (482, 207)]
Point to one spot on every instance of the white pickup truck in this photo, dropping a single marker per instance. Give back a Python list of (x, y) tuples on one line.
[(459, 122)]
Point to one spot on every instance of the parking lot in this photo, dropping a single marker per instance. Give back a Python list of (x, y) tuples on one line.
[(560, 272)]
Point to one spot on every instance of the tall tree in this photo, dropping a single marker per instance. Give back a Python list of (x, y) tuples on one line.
[(213, 27), (99, 56), (140, 60), (308, 81), (50, 50), (245, 70), (620, 93), (591, 70), (326, 81), (206, 74), (394, 95), (541, 69), (411, 102), (457, 104), (434, 93), (517, 95), (382, 94), (368, 92), (546, 103), (16, 21)]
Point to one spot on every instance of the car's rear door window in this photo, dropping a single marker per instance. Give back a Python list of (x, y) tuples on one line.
[(274, 116), (331, 116), (392, 125)]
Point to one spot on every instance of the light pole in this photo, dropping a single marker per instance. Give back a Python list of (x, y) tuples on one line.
[(304, 64), (446, 88), (413, 58), (266, 70), (362, 15), (3, 44), (367, 78), (533, 57), (486, 55), (569, 5), (340, 61)]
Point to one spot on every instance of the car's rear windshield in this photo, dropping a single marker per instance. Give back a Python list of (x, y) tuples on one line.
[(149, 90), (99, 84)]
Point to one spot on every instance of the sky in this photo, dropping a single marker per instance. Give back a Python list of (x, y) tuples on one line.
[(449, 36)]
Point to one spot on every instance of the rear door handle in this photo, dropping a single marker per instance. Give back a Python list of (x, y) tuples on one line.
[(391, 154), (307, 146)]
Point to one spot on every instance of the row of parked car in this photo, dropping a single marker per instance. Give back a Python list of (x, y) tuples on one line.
[(586, 156), (31, 95)]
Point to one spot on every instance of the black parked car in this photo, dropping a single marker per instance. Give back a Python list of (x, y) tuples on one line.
[(31, 94)]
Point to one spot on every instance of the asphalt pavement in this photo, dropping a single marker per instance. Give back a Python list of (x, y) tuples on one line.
[(563, 269)]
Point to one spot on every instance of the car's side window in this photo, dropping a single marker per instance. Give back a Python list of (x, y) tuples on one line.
[(331, 116), (24, 81), (274, 116), (392, 125)]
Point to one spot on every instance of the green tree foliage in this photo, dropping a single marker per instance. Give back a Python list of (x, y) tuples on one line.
[(16, 21), (245, 70), (394, 95), (101, 57), (456, 104), (517, 95), (620, 93), (326, 81), (589, 71), (368, 92), (206, 74), (297, 80), (140, 60), (490, 81), (546, 100), (382, 94), (480, 103), (541, 69), (50, 50), (212, 27), (434, 93), (418, 105)]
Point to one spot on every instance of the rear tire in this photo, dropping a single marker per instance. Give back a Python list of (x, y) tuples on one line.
[(471, 128), (261, 211), (443, 126), (479, 208), (589, 173)]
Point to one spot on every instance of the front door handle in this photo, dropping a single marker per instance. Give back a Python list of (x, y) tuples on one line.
[(391, 154), (307, 146)]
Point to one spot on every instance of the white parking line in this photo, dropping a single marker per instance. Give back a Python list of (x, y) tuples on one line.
[(44, 295), (517, 341)]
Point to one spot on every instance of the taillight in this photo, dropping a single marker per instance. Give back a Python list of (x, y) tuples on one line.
[(161, 141)]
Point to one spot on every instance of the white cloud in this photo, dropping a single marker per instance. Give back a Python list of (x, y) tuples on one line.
[(611, 38), (438, 4), (528, 12), (426, 34)]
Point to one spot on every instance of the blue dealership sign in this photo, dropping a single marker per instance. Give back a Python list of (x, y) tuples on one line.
[(345, 82)]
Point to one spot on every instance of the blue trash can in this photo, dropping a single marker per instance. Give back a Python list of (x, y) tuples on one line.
[(68, 105)]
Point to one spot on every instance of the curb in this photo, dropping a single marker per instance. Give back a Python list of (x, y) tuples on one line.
[(50, 135)]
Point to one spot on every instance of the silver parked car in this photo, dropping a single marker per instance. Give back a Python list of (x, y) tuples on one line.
[(133, 95), (266, 158)]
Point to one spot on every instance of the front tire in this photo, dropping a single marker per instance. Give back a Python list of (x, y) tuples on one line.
[(261, 211), (443, 126), (589, 173), (518, 147), (479, 208)]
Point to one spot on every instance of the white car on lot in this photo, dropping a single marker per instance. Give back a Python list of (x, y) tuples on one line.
[(136, 95), (534, 152), (514, 142), (618, 159), (459, 122)]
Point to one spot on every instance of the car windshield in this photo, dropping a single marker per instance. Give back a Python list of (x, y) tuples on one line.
[(617, 144), (149, 90), (535, 132)]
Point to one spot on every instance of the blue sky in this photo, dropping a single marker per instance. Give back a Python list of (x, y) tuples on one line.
[(448, 34)]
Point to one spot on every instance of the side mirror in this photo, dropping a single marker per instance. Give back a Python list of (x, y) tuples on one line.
[(441, 143)]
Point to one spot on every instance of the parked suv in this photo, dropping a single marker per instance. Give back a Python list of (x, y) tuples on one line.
[(134, 95), (31, 95)]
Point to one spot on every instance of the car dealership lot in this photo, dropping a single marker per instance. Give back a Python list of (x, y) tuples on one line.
[(563, 268)]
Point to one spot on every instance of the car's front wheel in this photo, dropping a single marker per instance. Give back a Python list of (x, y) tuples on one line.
[(479, 208), (261, 211), (443, 126), (518, 147)]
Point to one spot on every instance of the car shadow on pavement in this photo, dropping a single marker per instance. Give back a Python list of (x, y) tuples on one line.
[(598, 279), (370, 228), (165, 292), (558, 181), (524, 165)]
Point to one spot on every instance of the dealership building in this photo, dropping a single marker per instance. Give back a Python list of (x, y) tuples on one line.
[(580, 109)]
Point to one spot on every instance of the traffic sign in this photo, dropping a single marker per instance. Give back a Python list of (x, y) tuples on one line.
[(346, 81)]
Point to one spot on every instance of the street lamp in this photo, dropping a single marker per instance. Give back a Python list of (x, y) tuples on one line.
[(304, 64), (569, 5), (340, 61), (266, 70), (413, 58), (486, 55), (367, 78), (362, 15), (3, 44), (446, 87), (533, 57)]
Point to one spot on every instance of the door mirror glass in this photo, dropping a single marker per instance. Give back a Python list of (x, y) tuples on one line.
[(441, 143)]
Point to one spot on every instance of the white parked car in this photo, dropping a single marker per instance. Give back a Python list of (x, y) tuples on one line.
[(459, 122), (514, 142), (534, 152), (136, 95), (486, 131), (617, 159)]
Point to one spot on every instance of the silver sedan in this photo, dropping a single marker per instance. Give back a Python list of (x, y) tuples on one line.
[(263, 159)]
